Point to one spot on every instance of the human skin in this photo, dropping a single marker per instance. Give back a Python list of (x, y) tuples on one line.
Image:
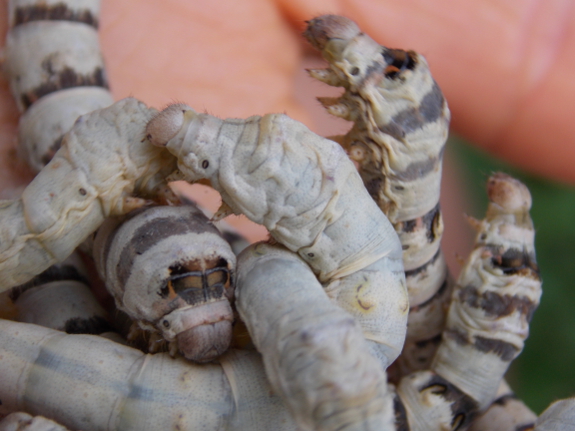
[(505, 67)]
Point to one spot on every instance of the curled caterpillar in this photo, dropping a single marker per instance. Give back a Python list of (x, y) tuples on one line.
[(170, 269), (400, 125), (56, 71), (96, 384), (314, 353), (307, 193), (101, 165)]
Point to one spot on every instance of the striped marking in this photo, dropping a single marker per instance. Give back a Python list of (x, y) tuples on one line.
[(156, 230), (65, 78), (497, 305), (429, 110), (57, 12)]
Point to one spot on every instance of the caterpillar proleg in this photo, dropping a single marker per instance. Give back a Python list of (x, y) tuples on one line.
[(56, 71), (307, 193)]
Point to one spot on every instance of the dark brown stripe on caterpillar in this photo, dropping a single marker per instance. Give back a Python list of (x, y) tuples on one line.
[(65, 78), (418, 170), (497, 305), (57, 12), (148, 235), (506, 351), (420, 269), (412, 119)]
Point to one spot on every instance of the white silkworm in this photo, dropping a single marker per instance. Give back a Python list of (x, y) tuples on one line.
[(307, 193), (169, 269), (102, 163), (314, 353), (97, 384), (401, 123), (56, 70)]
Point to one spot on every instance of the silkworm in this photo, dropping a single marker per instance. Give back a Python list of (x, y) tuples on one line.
[(314, 353), (101, 165), (488, 319), (56, 71), (172, 272), (400, 125), (97, 384), (307, 193)]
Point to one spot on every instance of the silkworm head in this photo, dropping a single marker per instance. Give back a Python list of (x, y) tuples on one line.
[(166, 124), (330, 28), (509, 194)]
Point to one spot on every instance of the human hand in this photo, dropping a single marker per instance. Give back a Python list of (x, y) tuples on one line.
[(504, 68)]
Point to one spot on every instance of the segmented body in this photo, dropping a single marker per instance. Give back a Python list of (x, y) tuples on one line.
[(314, 353), (97, 384), (56, 71), (400, 125), (307, 193), (101, 165), (170, 270), (488, 320)]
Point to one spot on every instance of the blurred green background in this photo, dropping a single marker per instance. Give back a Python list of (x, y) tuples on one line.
[(545, 371)]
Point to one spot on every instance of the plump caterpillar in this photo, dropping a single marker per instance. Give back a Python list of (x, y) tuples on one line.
[(314, 353), (307, 193), (401, 123), (170, 270), (97, 384), (102, 164), (56, 71)]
